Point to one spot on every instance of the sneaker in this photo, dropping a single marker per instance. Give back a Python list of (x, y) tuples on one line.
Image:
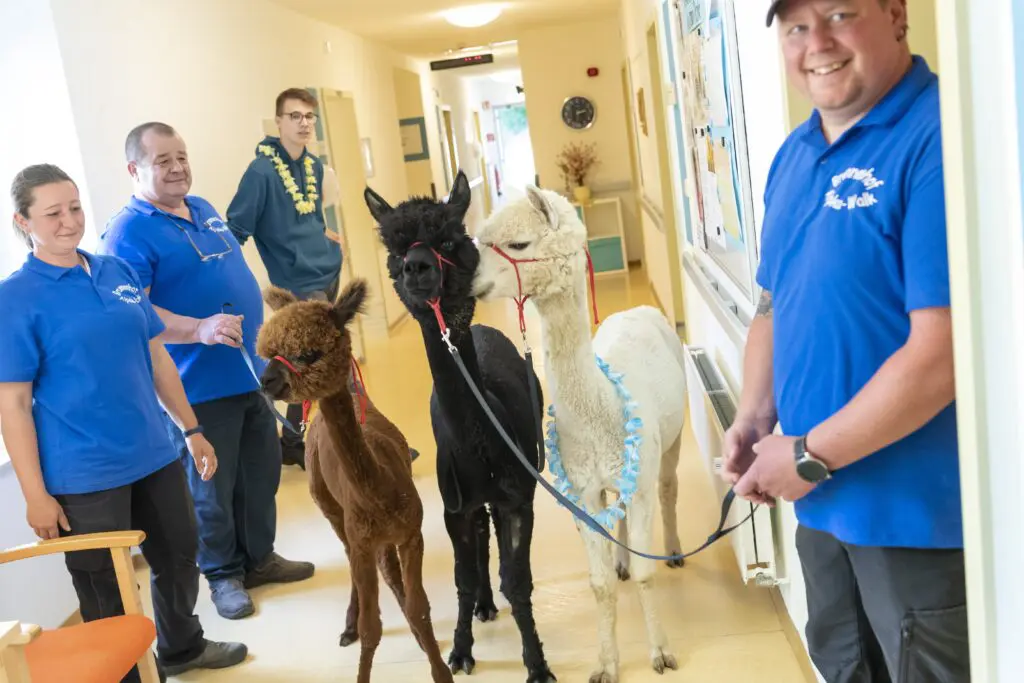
[(231, 599), (214, 656), (276, 569)]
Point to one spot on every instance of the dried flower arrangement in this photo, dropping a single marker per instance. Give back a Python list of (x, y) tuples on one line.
[(575, 161)]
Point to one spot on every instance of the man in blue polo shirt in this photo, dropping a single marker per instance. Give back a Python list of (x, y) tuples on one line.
[(197, 279), (279, 203), (851, 352)]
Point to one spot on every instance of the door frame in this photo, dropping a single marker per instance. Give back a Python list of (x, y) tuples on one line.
[(985, 227)]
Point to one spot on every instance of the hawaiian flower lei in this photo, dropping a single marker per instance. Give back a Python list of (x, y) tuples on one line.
[(305, 204), (630, 468)]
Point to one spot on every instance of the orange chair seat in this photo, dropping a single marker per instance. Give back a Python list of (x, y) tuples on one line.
[(100, 651)]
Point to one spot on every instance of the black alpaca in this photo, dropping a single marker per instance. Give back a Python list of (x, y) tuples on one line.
[(431, 258)]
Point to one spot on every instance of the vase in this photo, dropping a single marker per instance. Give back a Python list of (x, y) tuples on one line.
[(582, 194)]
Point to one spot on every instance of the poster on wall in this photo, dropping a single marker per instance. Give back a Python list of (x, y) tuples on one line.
[(713, 102)]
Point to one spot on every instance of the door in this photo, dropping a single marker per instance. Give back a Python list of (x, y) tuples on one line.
[(365, 254)]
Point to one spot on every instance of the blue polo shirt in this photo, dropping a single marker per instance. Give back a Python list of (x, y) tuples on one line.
[(854, 239), (83, 342), (167, 252)]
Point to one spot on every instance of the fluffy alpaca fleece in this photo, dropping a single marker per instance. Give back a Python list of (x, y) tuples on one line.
[(430, 257), (640, 344), (359, 473)]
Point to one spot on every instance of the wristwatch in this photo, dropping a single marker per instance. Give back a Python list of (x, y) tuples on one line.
[(810, 469), (198, 429)]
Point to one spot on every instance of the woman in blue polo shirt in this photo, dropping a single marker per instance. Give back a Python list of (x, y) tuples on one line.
[(81, 372)]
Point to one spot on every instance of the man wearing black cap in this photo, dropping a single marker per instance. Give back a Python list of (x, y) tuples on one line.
[(851, 352)]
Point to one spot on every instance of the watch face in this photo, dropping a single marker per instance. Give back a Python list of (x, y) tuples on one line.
[(812, 471), (578, 113)]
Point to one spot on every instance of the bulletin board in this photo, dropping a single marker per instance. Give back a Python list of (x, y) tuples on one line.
[(713, 109)]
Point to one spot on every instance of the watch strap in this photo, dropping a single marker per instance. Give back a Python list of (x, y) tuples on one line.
[(198, 429)]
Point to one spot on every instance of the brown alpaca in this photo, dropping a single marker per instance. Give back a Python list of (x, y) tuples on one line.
[(357, 462)]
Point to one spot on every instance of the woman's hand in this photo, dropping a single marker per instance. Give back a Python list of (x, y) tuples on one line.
[(44, 516), (203, 455)]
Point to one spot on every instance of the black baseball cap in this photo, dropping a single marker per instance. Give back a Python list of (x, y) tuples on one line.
[(773, 9)]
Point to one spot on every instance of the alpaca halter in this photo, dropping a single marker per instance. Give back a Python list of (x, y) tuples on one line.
[(521, 299), (307, 405), (435, 303)]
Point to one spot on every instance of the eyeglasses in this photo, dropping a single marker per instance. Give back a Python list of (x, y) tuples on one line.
[(297, 116), (216, 226)]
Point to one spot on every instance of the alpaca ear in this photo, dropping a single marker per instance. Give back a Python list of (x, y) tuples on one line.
[(351, 301), (461, 194), (278, 298), (379, 208), (541, 204)]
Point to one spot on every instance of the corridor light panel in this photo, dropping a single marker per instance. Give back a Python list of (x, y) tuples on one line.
[(472, 16)]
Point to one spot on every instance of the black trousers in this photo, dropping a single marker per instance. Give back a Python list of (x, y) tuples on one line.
[(884, 615), (161, 506), (290, 441), (237, 509)]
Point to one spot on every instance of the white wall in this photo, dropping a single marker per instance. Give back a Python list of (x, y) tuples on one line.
[(37, 121), (212, 70), (38, 127)]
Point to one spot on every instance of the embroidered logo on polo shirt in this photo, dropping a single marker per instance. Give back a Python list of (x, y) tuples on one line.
[(128, 294), (866, 198), (216, 224)]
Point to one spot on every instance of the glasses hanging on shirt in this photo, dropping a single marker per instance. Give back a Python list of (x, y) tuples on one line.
[(216, 226)]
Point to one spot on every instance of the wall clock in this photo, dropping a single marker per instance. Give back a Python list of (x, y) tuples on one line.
[(578, 112)]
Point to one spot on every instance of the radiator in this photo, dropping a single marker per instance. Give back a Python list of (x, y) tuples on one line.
[(712, 410)]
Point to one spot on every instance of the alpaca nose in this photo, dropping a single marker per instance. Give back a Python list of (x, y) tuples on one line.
[(419, 269), (273, 383)]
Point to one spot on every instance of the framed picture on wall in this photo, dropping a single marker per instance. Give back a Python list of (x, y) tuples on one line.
[(414, 138)]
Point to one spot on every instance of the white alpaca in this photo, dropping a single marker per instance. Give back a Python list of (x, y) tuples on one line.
[(543, 230)]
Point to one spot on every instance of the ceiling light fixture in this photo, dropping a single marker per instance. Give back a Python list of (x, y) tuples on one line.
[(472, 16)]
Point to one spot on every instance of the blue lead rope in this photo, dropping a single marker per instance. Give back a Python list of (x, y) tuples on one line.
[(580, 514), (252, 369)]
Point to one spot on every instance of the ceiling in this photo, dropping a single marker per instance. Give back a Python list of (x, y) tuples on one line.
[(416, 27)]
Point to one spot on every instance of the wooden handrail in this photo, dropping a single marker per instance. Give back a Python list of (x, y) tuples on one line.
[(102, 541)]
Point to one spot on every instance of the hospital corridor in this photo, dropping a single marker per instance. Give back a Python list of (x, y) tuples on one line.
[(588, 341)]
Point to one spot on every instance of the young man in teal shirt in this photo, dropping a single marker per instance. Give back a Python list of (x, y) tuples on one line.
[(279, 203)]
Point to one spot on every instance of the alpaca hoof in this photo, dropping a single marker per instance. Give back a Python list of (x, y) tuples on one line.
[(603, 677), (622, 570), (663, 660), (459, 662), (675, 564), (348, 637), (544, 675), (486, 611)]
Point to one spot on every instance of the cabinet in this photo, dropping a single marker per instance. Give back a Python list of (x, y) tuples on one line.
[(606, 237)]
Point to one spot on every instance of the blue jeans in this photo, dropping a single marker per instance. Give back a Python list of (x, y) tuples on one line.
[(236, 510)]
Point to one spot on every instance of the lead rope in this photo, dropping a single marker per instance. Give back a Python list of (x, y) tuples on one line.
[(360, 391), (581, 515)]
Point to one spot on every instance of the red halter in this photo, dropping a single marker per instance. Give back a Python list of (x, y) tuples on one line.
[(434, 303), (360, 390), (521, 299)]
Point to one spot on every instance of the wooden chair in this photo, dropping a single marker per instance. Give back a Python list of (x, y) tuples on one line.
[(100, 651)]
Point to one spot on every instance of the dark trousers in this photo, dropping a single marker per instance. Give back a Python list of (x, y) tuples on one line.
[(884, 615), (236, 509), (160, 506), (290, 441)]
